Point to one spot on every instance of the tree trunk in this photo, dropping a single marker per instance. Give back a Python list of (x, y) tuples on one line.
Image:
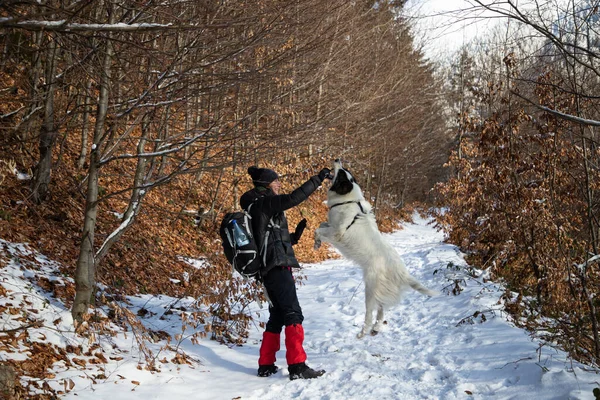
[(85, 274), (381, 179), (85, 124), (34, 82), (41, 178)]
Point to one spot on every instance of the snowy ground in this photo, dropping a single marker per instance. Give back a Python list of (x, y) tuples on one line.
[(447, 347)]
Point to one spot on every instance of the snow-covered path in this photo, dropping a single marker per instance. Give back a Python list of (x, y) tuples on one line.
[(424, 352)]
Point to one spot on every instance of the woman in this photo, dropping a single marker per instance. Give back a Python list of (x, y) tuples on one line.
[(269, 224)]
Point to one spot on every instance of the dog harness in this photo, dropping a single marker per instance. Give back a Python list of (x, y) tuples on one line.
[(362, 210)]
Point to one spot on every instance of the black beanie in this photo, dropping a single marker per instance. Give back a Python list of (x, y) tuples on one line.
[(262, 176)]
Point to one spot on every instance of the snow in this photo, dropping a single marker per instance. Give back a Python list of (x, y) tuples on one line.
[(70, 26), (124, 225), (21, 176), (459, 346)]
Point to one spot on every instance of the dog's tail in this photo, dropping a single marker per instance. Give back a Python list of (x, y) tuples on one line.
[(416, 285)]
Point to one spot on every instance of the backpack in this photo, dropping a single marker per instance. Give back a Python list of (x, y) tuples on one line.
[(239, 245)]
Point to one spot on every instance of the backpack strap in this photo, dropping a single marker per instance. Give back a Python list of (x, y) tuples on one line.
[(270, 225), (248, 220)]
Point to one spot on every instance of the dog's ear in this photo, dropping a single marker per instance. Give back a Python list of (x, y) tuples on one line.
[(345, 188), (342, 184), (352, 178)]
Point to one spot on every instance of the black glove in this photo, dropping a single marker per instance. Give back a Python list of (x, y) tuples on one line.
[(325, 173), (298, 232)]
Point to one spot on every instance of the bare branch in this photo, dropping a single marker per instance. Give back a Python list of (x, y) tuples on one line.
[(65, 26), (561, 115)]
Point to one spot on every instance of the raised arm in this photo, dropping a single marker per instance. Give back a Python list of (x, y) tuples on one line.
[(279, 203)]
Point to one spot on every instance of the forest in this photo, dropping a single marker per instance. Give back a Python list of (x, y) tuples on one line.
[(127, 128)]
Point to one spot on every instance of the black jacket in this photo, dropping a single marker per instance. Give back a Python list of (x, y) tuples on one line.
[(268, 205)]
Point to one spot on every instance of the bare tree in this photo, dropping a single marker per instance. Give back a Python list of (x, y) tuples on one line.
[(533, 147), (569, 33), (48, 132), (199, 90)]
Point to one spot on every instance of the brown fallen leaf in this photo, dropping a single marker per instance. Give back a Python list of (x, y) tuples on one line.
[(100, 356), (68, 384), (79, 362)]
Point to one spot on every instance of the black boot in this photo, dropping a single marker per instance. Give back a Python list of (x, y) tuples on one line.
[(267, 370), (303, 371)]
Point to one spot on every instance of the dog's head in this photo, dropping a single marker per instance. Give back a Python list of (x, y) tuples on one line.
[(344, 183)]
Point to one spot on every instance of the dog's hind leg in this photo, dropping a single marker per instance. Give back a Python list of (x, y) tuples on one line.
[(378, 321), (370, 304)]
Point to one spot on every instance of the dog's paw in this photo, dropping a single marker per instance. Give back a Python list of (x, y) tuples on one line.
[(362, 332)]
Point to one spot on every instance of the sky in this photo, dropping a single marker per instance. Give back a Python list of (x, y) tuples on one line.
[(459, 345), (441, 26)]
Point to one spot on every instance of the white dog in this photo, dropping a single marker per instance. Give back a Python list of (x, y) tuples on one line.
[(351, 228)]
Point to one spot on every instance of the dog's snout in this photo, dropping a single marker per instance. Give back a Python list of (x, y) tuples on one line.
[(337, 165)]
